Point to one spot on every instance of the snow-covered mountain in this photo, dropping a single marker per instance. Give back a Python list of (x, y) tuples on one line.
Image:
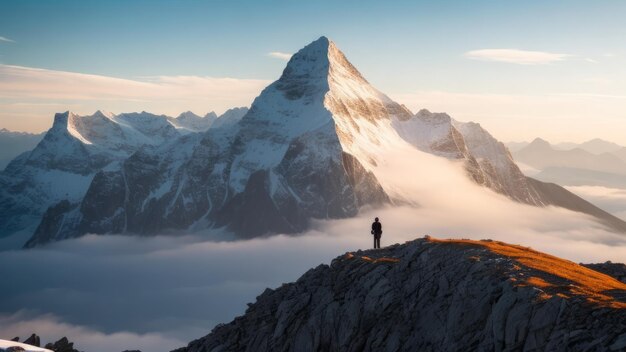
[(487, 161), (63, 164), (192, 122), (311, 146)]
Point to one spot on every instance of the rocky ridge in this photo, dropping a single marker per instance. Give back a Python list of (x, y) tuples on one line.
[(433, 295)]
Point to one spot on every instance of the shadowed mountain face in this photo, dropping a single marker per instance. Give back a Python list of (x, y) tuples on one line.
[(308, 148), (434, 295)]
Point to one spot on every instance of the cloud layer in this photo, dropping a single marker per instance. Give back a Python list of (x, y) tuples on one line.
[(516, 56), (612, 200), (27, 94)]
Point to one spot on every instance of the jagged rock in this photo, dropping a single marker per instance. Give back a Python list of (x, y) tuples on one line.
[(62, 345), (33, 340), (16, 339), (433, 295)]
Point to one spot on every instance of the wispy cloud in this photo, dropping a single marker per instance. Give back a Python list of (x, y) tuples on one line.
[(279, 55), (5, 39), (516, 56)]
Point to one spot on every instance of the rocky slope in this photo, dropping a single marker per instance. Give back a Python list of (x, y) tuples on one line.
[(432, 295)]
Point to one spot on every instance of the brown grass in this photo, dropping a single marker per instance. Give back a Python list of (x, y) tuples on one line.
[(562, 274), (538, 282), (373, 261)]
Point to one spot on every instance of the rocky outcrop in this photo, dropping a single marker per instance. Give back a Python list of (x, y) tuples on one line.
[(62, 345), (33, 340), (431, 295)]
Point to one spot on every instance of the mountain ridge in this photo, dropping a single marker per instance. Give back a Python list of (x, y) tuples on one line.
[(431, 294)]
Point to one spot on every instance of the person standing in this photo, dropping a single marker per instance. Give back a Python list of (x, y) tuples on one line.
[(377, 231)]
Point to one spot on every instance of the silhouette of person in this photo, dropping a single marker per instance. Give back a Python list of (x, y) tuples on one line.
[(377, 231)]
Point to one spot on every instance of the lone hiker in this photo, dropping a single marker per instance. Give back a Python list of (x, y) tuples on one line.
[(377, 231)]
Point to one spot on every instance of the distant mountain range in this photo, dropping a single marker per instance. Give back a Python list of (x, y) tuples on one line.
[(309, 148), (594, 146), (13, 144), (595, 163)]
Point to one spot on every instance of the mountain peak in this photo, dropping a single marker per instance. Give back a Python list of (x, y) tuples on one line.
[(540, 143), (319, 60), (188, 114), (310, 61), (61, 120), (102, 113)]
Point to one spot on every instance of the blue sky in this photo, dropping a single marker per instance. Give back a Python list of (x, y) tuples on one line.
[(415, 51)]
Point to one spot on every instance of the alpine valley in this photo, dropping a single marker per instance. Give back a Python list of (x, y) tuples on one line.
[(310, 147)]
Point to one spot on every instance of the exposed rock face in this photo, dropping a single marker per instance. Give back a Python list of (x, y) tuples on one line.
[(33, 340), (63, 345), (430, 295)]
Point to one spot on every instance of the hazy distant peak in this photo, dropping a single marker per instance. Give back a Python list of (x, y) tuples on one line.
[(539, 142), (188, 114), (441, 117), (102, 113), (599, 146), (210, 115)]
